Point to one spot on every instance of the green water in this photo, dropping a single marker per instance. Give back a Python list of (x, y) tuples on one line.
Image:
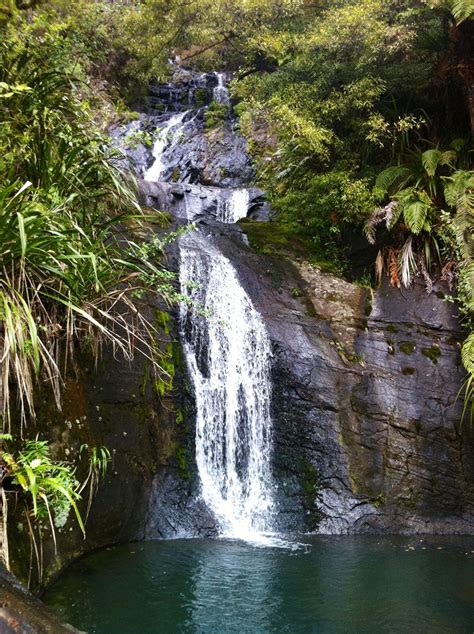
[(331, 585)]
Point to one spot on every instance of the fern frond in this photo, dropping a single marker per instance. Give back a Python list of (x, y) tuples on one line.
[(461, 10), (415, 214), (430, 160), (395, 177), (449, 158), (467, 354)]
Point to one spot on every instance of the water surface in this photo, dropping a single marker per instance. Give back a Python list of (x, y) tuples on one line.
[(328, 585)]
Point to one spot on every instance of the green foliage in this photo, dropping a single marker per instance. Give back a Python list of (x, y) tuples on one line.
[(215, 115), (69, 271), (349, 97), (50, 486), (136, 138), (459, 9), (99, 458)]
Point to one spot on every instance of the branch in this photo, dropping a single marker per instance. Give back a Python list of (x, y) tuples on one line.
[(207, 48)]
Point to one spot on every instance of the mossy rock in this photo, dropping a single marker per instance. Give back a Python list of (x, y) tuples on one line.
[(407, 347), (280, 238), (432, 353), (200, 97), (181, 456)]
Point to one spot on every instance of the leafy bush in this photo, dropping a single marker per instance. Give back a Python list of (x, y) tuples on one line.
[(215, 114)]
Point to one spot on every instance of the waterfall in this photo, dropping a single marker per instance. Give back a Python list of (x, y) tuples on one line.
[(220, 92), (228, 355), (155, 171), (235, 207)]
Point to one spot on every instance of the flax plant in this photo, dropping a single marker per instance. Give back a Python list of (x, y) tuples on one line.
[(70, 271)]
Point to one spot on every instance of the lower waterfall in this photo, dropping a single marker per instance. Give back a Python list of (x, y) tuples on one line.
[(228, 355)]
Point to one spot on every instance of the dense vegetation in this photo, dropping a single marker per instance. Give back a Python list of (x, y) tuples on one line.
[(359, 115), (72, 272)]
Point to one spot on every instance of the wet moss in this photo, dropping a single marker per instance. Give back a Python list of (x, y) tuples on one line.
[(408, 371), (162, 319), (391, 328), (279, 238), (215, 115), (178, 356), (407, 347), (164, 383), (309, 483), (432, 353), (379, 500)]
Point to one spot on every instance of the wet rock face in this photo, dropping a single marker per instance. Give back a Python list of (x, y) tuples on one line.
[(214, 155), (367, 426), (196, 203), (366, 422)]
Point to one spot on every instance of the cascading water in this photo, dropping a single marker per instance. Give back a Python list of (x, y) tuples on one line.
[(220, 92), (228, 355), (235, 207), (155, 171)]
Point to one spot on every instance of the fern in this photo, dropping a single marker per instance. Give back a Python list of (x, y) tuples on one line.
[(430, 160), (395, 177), (461, 10), (415, 215)]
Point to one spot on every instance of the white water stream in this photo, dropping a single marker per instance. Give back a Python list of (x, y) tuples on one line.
[(228, 354), (235, 207), (220, 92), (163, 139)]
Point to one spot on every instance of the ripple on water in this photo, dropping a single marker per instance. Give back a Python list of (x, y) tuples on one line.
[(321, 584)]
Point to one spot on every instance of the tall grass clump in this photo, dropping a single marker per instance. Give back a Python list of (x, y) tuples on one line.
[(72, 273), (69, 270)]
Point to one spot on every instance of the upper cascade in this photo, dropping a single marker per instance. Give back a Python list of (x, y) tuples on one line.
[(155, 171), (221, 93), (193, 142)]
